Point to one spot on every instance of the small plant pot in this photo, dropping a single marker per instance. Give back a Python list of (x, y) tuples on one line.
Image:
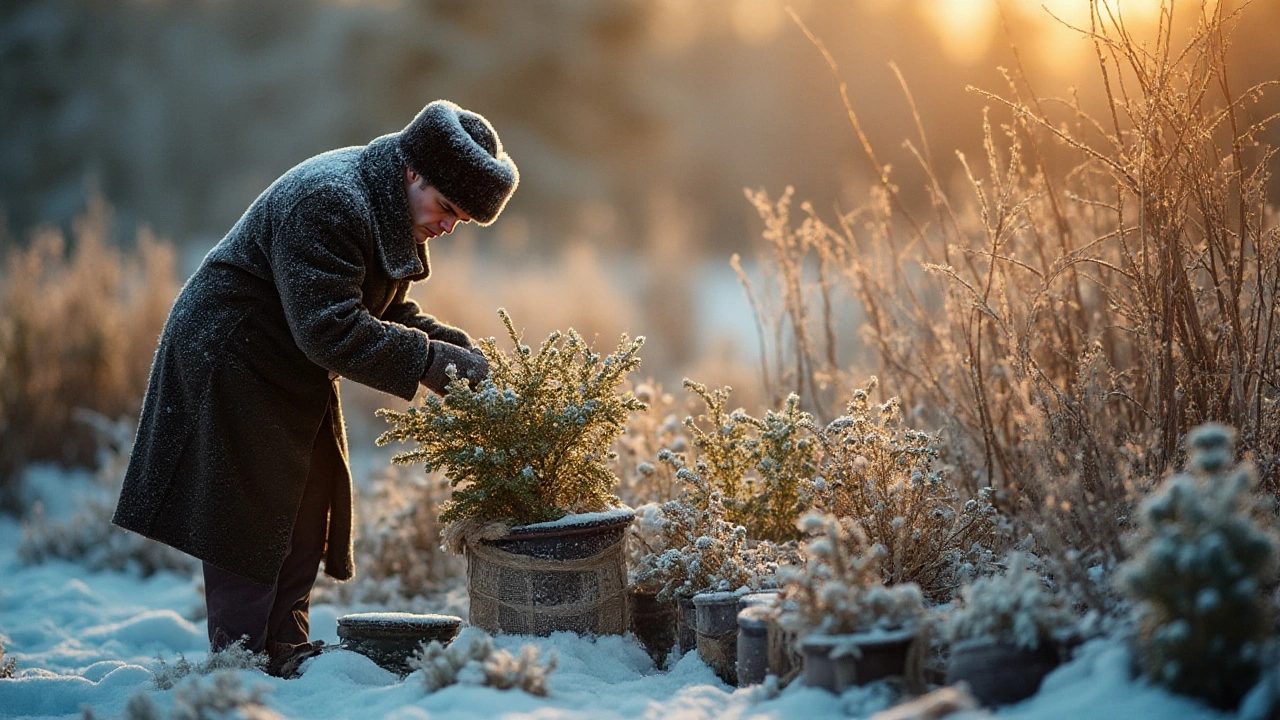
[(686, 625), (717, 629), (391, 638), (753, 645), (763, 598), (653, 622), (838, 662), (570, 574), (1000, 673)]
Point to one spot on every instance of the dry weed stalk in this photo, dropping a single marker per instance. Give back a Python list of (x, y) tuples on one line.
[(77, 331), (1067, 326)]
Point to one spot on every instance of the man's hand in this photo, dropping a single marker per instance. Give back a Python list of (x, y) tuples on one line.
[(451, 335), (471, 365)]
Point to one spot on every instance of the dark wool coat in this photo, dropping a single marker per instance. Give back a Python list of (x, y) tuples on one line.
[(309, 284)]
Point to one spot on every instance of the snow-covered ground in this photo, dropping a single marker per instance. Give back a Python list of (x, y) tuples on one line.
[(84, 639)]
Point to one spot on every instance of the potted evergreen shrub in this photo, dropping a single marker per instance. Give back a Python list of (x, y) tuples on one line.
[(532, 509), (1005, 633), (1202, 574), (853, 629)]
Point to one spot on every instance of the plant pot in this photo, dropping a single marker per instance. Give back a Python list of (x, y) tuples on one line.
[(686, 625), (763, 598), (753, 645), (717, 629), (391, 638), (838, 662), (570, 574), (653, 622), (1000, 673)]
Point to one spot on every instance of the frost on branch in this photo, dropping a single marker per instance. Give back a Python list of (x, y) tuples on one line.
[(697, 549), (763, 468), (839, 590), (472, 660), (1201, 574), (885, 477), (530, 443), (1015, 608)]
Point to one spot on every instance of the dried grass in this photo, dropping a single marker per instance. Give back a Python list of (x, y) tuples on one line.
[(78, 328), (1108, 283)]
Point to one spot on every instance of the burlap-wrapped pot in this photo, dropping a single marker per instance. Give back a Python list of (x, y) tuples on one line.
[(570, 574)]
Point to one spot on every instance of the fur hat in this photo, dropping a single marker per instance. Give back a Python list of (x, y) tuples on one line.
[(458, 153)]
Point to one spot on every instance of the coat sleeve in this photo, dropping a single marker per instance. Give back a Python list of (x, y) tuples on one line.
[(406, 311), (318, 266)]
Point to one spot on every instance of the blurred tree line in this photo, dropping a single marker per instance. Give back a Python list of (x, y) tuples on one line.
[(180, 112)]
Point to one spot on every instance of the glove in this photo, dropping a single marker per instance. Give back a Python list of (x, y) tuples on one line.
[(450, 334), (471, 365)]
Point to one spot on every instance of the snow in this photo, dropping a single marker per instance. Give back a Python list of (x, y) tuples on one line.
[(590, 518), (397, 619), (89, 639)]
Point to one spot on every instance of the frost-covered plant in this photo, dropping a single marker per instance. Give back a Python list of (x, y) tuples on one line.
[(89, 539), (763, 468), (1201, 573), (531, 443), (220, 695), (1015, 607), (643, 480), (885, 476), (234, 657), (471, 659), (839, 589), (701, 551), (8, 666)]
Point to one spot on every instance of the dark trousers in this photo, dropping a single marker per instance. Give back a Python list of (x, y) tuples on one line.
[(280, 612)]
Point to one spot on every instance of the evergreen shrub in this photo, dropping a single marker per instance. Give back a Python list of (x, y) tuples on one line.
[(763, 468), (1201, 574), (531, 443)]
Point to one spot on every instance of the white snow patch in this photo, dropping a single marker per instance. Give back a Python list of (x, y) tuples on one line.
[(617, 513)]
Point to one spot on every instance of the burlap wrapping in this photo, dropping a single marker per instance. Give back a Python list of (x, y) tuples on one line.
[(519, 594), (720, 653)]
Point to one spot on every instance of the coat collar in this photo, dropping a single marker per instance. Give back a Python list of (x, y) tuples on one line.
[(382, 169)]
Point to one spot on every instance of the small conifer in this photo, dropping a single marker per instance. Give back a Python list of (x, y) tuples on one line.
[(1201, 574), (531, 442)]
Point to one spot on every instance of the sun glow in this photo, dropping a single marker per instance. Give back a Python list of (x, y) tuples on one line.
[(967, 28)]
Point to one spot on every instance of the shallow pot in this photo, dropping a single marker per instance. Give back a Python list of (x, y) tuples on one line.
[(1000, 673), (838, 662), (717, 629), (653, 622), (391, 638), (570, 574)]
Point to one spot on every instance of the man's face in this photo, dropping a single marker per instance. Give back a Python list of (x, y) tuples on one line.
[(432, 214)]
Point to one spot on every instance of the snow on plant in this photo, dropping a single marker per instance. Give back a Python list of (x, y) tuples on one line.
[(472, 660), (885, 477), (218, 696), (699, 550), (762, 467), (839, 588), (531, 442), (8, 667), (1202, 569), (1015, 607), (642, 480), (234, 657)]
